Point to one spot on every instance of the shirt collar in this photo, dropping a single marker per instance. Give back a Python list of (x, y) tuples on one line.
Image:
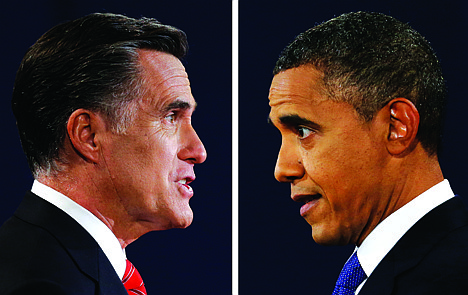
[(387, 233), (105, 238)]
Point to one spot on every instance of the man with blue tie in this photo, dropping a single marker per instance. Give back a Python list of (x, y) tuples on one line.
[(103, 106), (359, 102)]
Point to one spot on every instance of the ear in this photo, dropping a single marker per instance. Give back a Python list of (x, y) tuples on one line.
[(82, 127), (403, 127)]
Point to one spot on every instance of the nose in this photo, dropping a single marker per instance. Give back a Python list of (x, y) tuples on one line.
[(192, 150), (288, 165)]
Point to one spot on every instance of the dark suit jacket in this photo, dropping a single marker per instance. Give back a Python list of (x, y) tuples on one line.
[(45, 251), (431, 258)]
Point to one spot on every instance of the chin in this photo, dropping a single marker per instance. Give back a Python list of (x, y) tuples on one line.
[(327, 238), (182, 219), (184, 223), (170, 219)]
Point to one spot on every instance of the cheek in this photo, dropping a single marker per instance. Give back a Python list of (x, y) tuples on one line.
[(343, 173), (145, 159), (326, 166), (160, 163), (166, 151), (158, 147)]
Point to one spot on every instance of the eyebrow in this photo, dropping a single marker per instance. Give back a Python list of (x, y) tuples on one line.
[(294, 120), (181, 105)]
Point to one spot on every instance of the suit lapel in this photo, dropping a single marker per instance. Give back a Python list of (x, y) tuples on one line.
[(415, 244), (109, 283), (81, 246)]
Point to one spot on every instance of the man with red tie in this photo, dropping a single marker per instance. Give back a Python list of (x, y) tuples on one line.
[(359, 102), (103, 107)]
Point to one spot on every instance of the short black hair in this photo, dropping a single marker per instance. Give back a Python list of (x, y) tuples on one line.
[(368, 59), (90, 63)]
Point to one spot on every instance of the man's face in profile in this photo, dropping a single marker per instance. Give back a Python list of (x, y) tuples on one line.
[(151, 164), (331, 158)]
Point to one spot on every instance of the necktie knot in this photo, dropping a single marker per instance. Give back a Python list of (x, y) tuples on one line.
[(351, 276), (132, 280)]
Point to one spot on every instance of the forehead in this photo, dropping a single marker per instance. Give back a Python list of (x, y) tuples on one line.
[(164, 79), (297, 88), (299, 94), (301, 84)]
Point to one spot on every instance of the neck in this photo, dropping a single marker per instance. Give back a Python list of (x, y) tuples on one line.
[(87, 190), (408, 177)]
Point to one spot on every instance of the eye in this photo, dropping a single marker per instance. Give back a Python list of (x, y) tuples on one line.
[(304, 132), (170, 117)]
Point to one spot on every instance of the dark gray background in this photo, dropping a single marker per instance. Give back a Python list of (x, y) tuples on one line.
[(196, 260), (277, 253)]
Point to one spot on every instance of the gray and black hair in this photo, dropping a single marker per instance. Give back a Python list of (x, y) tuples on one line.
[(89, 63)]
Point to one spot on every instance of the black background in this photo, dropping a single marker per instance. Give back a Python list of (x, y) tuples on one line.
[(196, 260), (277, 253)]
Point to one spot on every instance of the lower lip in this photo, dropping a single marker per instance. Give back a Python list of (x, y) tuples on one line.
[(308, 207), (186, 190)]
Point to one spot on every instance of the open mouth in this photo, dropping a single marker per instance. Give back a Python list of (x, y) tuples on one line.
[(306, 198), (187, 180), (310, 202), (185, 184)]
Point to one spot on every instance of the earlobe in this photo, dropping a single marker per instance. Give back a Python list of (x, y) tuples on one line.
[(81, 127), (403, 127)]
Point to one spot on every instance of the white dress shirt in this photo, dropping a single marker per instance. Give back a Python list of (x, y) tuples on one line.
[(106, 239), (387, 233)]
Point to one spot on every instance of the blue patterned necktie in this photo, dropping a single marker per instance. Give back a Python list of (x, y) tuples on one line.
[(351, 276)]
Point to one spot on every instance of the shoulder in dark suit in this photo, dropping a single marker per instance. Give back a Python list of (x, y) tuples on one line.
[(45, 251), (431, 258)]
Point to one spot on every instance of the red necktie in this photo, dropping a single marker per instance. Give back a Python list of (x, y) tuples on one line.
[(132, 281)]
